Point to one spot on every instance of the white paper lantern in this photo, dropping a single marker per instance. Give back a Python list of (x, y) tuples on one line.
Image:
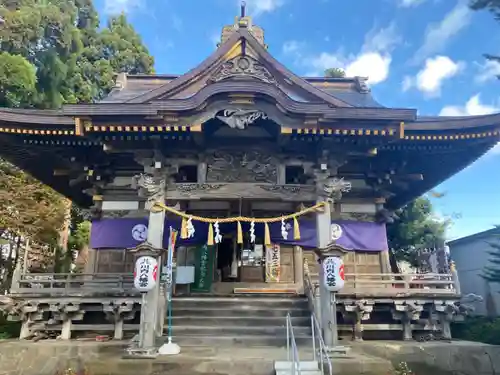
[(145, 273), (333, 274)]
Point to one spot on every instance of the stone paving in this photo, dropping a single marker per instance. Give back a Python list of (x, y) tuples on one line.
[(371, 358)]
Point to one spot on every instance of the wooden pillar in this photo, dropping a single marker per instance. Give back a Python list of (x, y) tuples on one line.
[(385, 264), (91, 264), (323, 225), (151, 299), (298, 264)]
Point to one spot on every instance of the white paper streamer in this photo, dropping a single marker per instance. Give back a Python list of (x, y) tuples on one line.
[(217, 237), (190, 228), (252, 232)]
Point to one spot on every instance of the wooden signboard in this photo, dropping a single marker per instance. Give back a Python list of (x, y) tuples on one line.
[(273, 263), (204, 264)]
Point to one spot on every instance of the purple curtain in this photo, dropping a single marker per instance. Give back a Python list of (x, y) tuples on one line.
[(127, 233)]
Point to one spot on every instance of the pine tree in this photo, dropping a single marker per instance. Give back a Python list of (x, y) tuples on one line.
[(335, 73), (494, 7)]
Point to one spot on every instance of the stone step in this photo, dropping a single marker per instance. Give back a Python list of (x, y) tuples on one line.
[(240, 303), (249, 296), (240, 341), (238, 330), (232, 321), (239, 310)]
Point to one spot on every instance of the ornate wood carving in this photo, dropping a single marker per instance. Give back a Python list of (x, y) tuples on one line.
[(288, 189), (331, 188), (243, 66), (116, 214), (150, 187), (238, 190), (188, 189), (357, 216), (240, 118), (242, 166)]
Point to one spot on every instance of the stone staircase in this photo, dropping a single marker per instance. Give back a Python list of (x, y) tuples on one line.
[(249, 320)]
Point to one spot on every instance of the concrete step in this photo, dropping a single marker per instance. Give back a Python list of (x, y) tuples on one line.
[(240, 341), (231, 321), (302, 372), (238, 330), (240, 311), (306, 368), (304, 365)]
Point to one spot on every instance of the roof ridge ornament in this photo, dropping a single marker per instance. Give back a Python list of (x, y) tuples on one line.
[(241, 66), (362, 84)]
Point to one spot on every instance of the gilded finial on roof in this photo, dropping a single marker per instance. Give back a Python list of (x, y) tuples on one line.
[(242, 21), (243, 9)]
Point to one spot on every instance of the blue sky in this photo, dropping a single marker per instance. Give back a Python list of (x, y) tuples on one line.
[(424, 54)]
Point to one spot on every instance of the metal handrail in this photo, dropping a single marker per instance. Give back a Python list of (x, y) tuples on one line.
[(310, 290), (323, 352), (291, 347)]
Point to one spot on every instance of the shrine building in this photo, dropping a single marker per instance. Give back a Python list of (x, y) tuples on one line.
[(240, 135)]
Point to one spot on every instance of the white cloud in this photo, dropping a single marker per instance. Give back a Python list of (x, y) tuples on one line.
[(119, 6), (437, 35), (490, 70), (292, 47), (407, 83), (430, 79), (410, 3), (473, 107), (382, 40), (373, 60), (256, 7), (373, 65)]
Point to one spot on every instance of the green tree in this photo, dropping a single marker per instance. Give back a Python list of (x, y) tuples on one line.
[(335, 73), (54, 52), (415, 228), (74, 60), (29, 208), (17, 80), (80, 236), (494, 7)]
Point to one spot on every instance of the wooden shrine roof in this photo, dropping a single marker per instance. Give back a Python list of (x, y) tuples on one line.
[(348, 90), (59, 147)]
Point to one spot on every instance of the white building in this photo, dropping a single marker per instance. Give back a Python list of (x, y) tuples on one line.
[(471, 256)]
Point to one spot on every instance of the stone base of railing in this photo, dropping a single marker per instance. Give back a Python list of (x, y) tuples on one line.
[(373, 306), (117, 317)]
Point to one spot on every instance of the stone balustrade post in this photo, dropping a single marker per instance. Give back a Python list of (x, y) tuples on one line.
[(406, 312)]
